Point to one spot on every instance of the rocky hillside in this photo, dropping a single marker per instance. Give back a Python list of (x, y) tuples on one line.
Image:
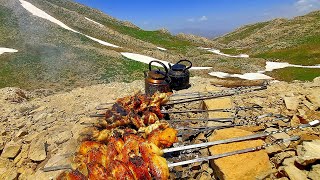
[(41, 129), (293, 40)]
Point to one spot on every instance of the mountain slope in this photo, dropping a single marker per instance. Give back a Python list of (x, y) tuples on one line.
[(54, 57), (295, 40)]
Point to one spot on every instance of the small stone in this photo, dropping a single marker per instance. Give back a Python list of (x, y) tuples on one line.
[(25, 173), (30, 137), (58, 160), (207, 168), (294, 173), (295, 121), (278, 158), (314, 98), (204, 176), (61, 137), (314, 174), (10, 150), (291, 103), (308, 152), (23, 155), (288, 161), (309, 105), (21, 133), (2, 142), (7, 170), (37, 151)]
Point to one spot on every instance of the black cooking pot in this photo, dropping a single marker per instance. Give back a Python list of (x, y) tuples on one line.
[(179, 75), (157, 80)]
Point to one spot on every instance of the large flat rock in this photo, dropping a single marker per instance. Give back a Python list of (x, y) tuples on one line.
[(247, 166)]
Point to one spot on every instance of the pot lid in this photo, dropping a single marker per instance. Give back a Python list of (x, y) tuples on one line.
[(178, 67), (156, 75)]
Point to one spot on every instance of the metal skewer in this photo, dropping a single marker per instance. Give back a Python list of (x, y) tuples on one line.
[(236, 139), (219, 94), (201, 159), (193, 110), (213, 110)]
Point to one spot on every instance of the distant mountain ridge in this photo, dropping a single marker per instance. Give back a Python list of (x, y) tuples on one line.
[(278, 38)]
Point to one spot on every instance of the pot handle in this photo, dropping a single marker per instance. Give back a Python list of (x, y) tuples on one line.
[(164, 66), (185, 61)]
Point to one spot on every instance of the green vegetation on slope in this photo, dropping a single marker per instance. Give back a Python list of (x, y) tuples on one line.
[(8, 28), (305, 52), (294, 73)]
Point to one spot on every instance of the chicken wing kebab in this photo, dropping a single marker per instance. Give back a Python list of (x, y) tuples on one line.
[(128, 145), (139, 111), (123, 154)]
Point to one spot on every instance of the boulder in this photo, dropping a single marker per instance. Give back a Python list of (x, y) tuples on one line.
[(247, 166)]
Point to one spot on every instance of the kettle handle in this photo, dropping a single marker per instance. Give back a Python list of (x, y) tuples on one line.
[(164, 66), (186, 61)]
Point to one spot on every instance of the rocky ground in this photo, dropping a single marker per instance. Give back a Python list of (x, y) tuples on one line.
[(40, 129)]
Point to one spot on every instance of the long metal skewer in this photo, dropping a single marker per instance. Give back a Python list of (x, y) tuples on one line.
[(213, 110), (203, 96), (216, 95), (236, 139), (201, 159), (193, 110)]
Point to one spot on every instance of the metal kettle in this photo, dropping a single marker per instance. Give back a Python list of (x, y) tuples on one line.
[(157, 80), (179, 75)]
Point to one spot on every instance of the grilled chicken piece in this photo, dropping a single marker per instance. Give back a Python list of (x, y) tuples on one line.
[(130, 148), (159, 99), (98, 172), (162, 124), (158, 166), (71, 175), (139, 168), (87, 146), (149, 118), (120, 171), (163, 138)]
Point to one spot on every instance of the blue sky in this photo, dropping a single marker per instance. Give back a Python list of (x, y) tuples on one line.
[(203, 17)]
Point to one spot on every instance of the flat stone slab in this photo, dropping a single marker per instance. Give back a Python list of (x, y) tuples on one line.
[(308, 152), (10, 151), (247, 166), (292, 103)]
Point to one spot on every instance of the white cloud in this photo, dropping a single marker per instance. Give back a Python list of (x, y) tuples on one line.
[(191, 20), (203, 18), (307, 5)]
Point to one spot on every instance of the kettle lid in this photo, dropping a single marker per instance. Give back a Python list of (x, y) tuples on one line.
[(178, 67), (158, 75)]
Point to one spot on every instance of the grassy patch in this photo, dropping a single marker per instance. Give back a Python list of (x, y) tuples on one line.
[(8, 27), (306, 52), (293, 73)]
